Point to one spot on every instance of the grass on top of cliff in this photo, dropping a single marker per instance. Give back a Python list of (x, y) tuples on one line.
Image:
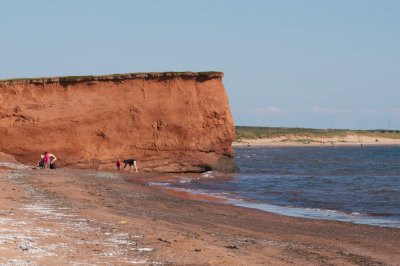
[(247, 132), (47, 78), (204, 74)]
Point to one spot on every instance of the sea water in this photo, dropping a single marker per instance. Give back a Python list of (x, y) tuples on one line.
[(359, 184)]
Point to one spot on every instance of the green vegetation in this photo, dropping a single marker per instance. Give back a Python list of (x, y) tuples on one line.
[(245, 132), (206, 75), (74, 78), (40, 79), (209, 73)]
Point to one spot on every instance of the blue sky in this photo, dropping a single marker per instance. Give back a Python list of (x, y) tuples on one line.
[(320, 64)]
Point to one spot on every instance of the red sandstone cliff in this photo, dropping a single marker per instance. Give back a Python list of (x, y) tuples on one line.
[(169, 122)]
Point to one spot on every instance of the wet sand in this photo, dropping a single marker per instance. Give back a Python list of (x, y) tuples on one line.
[(86, 217)]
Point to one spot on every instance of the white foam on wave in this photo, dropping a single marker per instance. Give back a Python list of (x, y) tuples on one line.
[(220, 195), (208, 174), (319, 214), (161, 184)]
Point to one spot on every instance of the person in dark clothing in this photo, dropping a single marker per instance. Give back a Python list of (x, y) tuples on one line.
[(48, 160), (131, 163)]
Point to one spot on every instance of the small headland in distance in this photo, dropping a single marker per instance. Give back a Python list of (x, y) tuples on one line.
[(286, 136)]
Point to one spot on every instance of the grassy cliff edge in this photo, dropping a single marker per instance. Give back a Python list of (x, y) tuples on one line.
[(248, 132)]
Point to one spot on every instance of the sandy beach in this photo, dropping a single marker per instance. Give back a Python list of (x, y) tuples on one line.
[(83, 217), (297, 140)]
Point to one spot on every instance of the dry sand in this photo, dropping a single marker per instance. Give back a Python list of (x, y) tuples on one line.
[(79, 217), (297, 140)]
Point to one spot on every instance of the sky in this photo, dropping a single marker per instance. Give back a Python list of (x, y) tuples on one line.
[(317, 64)]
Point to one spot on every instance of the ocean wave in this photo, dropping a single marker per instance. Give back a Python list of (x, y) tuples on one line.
[(322, 214)]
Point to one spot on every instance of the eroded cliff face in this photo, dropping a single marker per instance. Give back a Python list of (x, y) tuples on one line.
[(169, 122)]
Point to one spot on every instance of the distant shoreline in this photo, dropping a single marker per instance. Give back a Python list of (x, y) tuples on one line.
[(304, 141), (299, 137)]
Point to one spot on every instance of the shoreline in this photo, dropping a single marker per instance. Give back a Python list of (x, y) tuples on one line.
[(306, 141), (289, 211), (85, 216)]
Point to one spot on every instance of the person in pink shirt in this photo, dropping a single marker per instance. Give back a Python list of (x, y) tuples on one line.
[(47, 159)]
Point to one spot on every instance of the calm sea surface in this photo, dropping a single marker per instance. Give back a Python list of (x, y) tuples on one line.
[(354, 184)]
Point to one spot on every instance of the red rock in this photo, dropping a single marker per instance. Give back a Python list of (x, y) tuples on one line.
[(169, 122)]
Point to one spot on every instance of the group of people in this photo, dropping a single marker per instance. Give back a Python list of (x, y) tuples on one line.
[(48, 160)]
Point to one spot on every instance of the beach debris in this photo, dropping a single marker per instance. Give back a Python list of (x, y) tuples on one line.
[(23, 248), (15, 166), (231, 247), (145, 249), (197, 250), (25, 245), (163, 240)]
